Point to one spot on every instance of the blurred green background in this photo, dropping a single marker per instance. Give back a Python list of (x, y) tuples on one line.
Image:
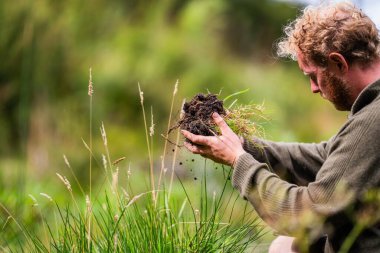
[(47, 48)]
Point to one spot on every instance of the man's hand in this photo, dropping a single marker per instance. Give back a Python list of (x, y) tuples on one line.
[(224, 149)]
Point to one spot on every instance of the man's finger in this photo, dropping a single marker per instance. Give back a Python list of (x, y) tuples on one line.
[(194, 149), (219, 121), (197, 139)]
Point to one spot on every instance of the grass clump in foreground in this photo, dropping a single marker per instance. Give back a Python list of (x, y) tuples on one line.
[(117, 220)]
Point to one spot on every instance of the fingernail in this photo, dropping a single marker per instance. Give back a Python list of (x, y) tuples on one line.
[(215, 115)]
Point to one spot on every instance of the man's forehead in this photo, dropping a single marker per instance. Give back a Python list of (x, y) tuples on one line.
[(306, 69), (304, 65)]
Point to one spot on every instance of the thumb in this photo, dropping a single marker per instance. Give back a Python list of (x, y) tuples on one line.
[(219, 121)]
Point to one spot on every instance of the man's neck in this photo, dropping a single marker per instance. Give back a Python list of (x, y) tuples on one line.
[(360, 77)]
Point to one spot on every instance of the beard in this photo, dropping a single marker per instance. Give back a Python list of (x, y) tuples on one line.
[(337, 92)]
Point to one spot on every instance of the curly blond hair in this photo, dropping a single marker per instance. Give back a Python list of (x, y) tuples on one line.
[(327, 28)]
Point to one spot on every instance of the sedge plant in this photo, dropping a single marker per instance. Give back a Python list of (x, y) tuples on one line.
[(116, 219), (244, 119)]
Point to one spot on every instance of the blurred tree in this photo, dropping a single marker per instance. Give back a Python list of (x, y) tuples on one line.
[(253, 26)]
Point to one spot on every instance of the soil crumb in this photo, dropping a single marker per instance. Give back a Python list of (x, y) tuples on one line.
[(197, 114)]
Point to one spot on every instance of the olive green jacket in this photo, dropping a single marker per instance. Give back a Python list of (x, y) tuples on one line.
[(320, 193)]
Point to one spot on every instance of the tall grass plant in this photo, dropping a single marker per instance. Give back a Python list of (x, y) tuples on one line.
[(114, 218)]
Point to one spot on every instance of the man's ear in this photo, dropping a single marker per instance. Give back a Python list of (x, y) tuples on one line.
[(337, 62)]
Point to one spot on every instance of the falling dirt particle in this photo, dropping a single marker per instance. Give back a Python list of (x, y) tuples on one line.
[(180, 163), (195, 178), (173, 150), (216, 168), (192, 160)]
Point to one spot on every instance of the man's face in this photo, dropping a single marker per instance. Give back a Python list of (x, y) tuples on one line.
[(327, 84)]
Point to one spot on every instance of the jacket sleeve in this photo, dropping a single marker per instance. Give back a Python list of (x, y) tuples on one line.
[(351, 167), (295, 162)]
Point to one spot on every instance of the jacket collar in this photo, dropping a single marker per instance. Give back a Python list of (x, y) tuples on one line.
[(368, 94)]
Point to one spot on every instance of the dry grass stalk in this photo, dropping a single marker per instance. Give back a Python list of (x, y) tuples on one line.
[(166, 136), (66, 182), (88, 216), (135, 198), (148, 145), (126, 195), (10, 217), (90, 93), (36, 205), (115, 181), (72, 173), (108, 159), (173, 164)]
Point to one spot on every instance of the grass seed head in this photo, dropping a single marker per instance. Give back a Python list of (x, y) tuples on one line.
[(90, 84), (88, 204), (129, 172), (126, 195), (118, 160), (104, 162), (176, 87), (151, 128), (46, 196), (141, 94), (66, 161), (104, 135), (65, 181), (35, 203)]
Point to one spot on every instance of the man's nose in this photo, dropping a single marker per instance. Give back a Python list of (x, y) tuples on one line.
[(314, 88)]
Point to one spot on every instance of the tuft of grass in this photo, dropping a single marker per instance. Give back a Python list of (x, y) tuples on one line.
[(117, 220), (245, 120), (141, 225)]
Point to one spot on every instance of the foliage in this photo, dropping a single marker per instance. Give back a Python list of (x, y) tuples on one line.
[(244, 120), (125, 225), (48, 46), (133, 227), (121, 221)]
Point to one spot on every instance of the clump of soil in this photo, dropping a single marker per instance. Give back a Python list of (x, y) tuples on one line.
[(244, 120), (197, 114)]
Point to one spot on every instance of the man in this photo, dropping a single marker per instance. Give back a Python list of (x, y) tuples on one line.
[(321, 203)]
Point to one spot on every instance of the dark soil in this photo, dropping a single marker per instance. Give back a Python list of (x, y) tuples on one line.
[(197, 114)]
